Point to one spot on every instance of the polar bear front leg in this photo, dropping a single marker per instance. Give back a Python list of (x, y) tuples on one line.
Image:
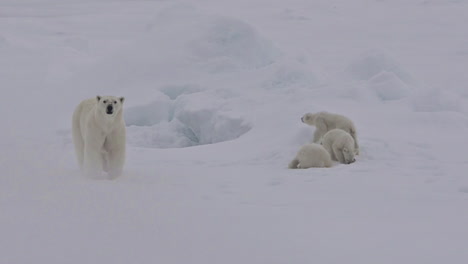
[(352, 132), (115, 145), (105, 160), (92, 165), (356, 146), (116, 162), (93, 158), (320, 129)]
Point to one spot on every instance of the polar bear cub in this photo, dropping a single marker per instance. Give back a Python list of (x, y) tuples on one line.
[(340, 145), (99, 135), (324, 122), (311, 155)]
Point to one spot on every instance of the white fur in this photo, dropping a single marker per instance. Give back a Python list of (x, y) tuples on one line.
[(340, 145), (324, 122), (99, 136), (311, 155)]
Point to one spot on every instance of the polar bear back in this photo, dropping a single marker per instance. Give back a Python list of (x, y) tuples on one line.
[(311, 156), (339, 138), (83, 111), (333, 121), (340, 145)]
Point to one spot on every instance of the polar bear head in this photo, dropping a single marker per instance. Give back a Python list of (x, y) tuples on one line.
[(309, 118), (348, 155), (110, 106)]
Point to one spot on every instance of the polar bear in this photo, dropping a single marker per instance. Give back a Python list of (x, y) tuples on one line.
[(324, 122), (340, 145), (99, 135), (311, 155)]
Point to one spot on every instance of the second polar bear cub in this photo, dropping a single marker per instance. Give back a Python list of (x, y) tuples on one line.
[(311, 155), (340, 145), (99, 135), (324, 122)]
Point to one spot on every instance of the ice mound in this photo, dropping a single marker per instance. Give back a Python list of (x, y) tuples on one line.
[(175, 90), (230, 44), (374, 62), (436, 101), (161, 135), (159, 109), (214, 43), (191, 119), (209, 123), (181, 43), (290, 73), (148, 114), (388, 86)]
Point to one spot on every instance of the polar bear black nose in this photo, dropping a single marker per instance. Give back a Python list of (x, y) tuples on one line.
[(109, 109)]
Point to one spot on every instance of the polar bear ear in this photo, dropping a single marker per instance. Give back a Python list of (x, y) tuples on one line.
[(122, 99), (98, 98)]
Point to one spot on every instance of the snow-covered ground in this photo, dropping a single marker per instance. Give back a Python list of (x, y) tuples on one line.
[(214, 94)]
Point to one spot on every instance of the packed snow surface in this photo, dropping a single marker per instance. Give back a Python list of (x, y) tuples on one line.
[(214, 95)]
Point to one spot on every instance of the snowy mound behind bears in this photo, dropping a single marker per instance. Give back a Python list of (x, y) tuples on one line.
[(388, 86), (185, 43), (189, 119), (193, 108), (200, 105)]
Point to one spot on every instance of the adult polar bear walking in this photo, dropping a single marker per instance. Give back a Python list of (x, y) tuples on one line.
[(309, 156), (340, 145), (99, 135), (324, 122)]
